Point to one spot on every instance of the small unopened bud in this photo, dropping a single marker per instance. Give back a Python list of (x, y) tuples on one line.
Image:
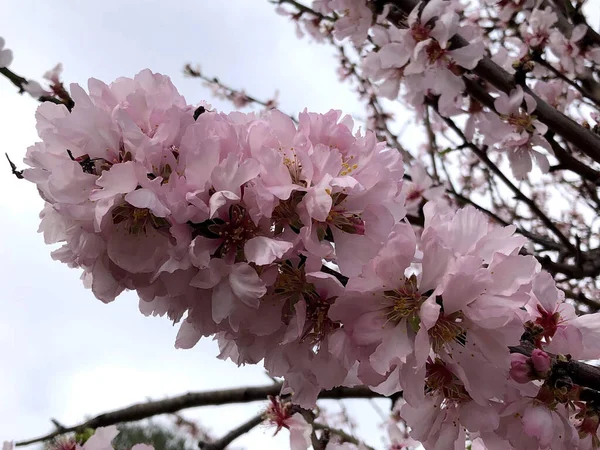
[(520, 368), (541, 361), (528, 66)]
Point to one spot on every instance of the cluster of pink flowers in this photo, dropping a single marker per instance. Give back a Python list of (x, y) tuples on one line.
[(423, 63), (423, 57), (289, 244), (228, 217)]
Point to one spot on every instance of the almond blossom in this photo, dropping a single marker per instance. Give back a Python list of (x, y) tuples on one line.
[(6, 54), (517, 132)]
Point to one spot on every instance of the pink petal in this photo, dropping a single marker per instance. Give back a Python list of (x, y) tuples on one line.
[(262, 250), (246, 284)]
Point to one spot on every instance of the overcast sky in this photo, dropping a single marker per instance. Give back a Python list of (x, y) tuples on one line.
[(63, 353)]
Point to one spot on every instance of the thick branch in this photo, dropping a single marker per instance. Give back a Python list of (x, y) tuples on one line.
[(194, 399)]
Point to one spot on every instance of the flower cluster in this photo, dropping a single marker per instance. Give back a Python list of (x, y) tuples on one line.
[(424, 56), (228, 217), (289, 244), (428, 58)]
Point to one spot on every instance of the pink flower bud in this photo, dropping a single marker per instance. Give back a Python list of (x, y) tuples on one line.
[(520, 369), (541, 361)]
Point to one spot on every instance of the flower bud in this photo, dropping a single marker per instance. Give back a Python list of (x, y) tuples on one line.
[(520, 369), (541, 361)]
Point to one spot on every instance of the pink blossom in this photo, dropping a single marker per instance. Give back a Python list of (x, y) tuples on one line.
[(520, 368), (541, 361), (102, 438), (517, 132), (6, 55), (355, 20), (536, 31), (420, 188), (568, 49), (281, 415)]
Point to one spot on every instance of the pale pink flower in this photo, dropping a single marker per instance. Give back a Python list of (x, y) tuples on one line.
[(536, 30), (568, 49), (281, 415), (355, 21), (541, 361), (420, 188), (102, 438), (6, 55), (517, 132)]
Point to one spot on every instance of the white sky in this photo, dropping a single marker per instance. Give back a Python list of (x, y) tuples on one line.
[(63, 353)]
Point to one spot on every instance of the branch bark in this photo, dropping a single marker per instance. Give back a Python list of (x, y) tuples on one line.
[(221, 444), (141, 411)]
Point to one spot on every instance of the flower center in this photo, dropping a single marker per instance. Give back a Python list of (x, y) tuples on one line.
[(235, 233), (420, 32), (344, 220), (521, 121), (406, 302), (137, 220), (447, 329), (435, 52), (318, 324), (438, 378), (286, 213)]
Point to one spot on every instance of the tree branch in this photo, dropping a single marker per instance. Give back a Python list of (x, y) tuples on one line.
[(221, 444), (20, 82), (345, 437), (141, 411)]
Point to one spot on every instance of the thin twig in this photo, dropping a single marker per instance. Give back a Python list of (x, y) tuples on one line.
[(341, 433), (222, 443)]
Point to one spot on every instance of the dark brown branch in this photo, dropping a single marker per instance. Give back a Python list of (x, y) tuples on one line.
[(221, 444), (194, 399), (580, 373), (13, 168)]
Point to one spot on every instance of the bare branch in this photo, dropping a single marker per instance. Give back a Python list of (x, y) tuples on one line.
[(141, 411), (345, 437), (221, 444)]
